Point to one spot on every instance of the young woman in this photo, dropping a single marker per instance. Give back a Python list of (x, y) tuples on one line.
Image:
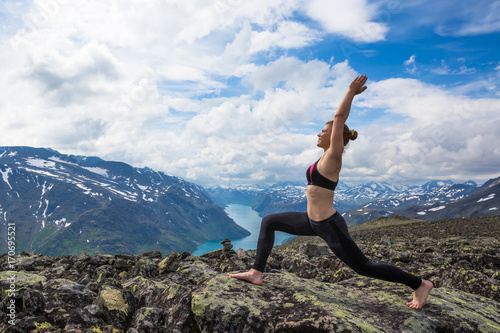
[(322, 219)]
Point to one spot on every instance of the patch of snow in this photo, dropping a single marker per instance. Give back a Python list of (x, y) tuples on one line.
[(147, 199), (46, 189), (489, 197), (39, 163), (57, 222), (437, 208), (83, 187), (99, 171), (46, 207), (421, 213), (5, 176), (44, 173), (395, 203), (493, 208), (58, 160)]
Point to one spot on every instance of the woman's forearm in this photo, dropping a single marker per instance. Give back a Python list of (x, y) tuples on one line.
[(345, 105)]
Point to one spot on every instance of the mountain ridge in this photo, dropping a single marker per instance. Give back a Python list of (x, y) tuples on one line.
[(64, 204), (362, 203)]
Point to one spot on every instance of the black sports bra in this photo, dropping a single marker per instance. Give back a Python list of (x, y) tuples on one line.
[(317, 179)]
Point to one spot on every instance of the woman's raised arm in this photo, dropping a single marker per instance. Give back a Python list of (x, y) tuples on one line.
[(356, 87)]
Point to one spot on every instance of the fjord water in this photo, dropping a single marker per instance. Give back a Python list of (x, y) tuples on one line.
[(247, 218)]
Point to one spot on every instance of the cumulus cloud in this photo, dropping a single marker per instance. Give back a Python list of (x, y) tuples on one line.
[(353, 19), (212, 91), (441, 134), (66, 79), (288, 35)]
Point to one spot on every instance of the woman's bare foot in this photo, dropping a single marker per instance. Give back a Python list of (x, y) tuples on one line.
[(253, 276), (420, 295)]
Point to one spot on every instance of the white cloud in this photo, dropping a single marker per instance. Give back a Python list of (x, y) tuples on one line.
[(152, 83), (288, 35), (446, 70), (411, 67), (353, 19), (441, 135), (241, 138), (475, 18)]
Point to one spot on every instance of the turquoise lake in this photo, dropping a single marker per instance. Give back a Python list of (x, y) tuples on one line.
[(247, 218)]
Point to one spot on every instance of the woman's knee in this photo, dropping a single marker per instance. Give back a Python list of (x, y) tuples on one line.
[(267, 221)]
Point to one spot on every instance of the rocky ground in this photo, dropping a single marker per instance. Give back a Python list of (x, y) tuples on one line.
[(305, 290)]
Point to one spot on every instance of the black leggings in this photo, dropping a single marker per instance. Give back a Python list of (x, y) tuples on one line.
[(334, 231)]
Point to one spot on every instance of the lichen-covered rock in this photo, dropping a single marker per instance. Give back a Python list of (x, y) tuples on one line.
[(196, 271), (300, 265), (64, 301), (171, 298), (170, 263), (145, 267), (287, 303), (116, 305), (22, 280), (149, 319), (306, 288), (33, 302)]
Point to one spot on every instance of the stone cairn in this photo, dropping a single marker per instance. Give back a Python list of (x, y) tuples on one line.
[(227, 248)]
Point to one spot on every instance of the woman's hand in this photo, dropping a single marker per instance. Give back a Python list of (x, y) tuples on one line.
[(357, 85)]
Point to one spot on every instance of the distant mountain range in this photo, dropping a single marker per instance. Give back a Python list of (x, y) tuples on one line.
[(436, 199), (66, 204)]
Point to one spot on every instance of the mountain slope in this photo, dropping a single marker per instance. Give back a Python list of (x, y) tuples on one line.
[(64, 204), (483, 202), (359, 204), (441, 202)]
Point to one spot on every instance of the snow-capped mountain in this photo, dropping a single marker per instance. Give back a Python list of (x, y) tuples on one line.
[(351, 197), (359, 204), (428, 202), (483, 202), (65, 204)]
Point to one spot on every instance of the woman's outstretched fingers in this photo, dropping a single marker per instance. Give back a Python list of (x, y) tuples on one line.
[(357, 85)]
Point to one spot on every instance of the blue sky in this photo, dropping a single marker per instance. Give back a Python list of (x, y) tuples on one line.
[(234, 92)]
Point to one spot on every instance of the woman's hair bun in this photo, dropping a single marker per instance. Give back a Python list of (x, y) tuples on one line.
[(353, 135)]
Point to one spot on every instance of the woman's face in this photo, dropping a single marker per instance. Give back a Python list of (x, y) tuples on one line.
[(324, 137)]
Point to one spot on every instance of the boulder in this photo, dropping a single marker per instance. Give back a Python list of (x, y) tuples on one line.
[(116, 305), (288, 303)]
